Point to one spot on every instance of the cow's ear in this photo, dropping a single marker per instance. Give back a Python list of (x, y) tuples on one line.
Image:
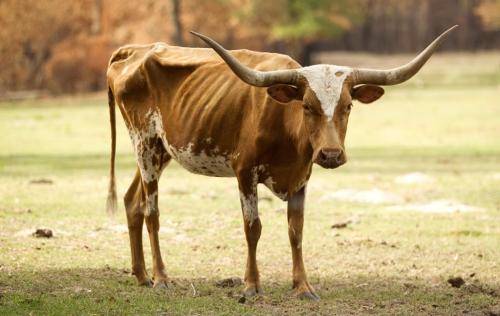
[(284, 93), (367, 93)]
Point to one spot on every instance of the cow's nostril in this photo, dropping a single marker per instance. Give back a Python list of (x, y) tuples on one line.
[(330, 153)]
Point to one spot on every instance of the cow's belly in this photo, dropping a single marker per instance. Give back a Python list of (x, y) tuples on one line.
[(213, 164)]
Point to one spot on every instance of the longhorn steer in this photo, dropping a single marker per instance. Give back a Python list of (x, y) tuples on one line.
[(187, 104)]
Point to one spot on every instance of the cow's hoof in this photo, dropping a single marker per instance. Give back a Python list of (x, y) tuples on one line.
[(304, 291), (311, 296), (146, 283), (161, 284), (252, 291)]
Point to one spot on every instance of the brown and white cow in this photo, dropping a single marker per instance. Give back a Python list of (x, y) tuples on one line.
[(215, 120)]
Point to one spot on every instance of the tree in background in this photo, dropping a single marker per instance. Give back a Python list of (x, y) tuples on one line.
[(299, 23), (30, 29), (176, 18), (489, 12), (64, 45)]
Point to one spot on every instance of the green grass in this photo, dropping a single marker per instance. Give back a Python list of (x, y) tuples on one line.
[(386, 262)]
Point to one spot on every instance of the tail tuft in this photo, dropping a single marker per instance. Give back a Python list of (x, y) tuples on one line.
[(111, 204)]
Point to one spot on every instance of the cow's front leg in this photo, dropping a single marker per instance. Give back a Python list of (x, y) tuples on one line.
[(253, 227), (295, 223)]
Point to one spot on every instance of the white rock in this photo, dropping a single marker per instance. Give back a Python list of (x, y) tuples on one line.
[(414, 178), (373, 196), (437, 206), (118, 228)]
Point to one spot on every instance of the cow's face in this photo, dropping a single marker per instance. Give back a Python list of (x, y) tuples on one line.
[(326, 97), (326, 92)]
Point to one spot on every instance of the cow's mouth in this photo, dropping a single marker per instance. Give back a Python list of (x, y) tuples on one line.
[(330, 163)]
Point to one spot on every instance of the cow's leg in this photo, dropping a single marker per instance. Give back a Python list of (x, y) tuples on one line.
[(153, 224), (152, 159), (134, 206), (295, 223), (253, 227)]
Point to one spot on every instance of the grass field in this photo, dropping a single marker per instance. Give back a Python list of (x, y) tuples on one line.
[(421, 192)]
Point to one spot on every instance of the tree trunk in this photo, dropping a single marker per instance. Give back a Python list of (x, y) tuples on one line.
[(96, 26), (176, 17)]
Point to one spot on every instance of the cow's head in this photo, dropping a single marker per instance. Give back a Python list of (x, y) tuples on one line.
[(326, 93)]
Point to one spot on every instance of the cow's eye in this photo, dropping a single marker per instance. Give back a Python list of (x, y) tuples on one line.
[(348, 108)]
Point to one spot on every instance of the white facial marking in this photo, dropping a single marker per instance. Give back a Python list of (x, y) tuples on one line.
[(326, 81)]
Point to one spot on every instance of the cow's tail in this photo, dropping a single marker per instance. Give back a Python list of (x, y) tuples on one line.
[(111, 203)]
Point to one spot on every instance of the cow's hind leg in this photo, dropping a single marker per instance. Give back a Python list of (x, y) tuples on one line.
[(153, 224), (152, 158), (134, 206), (295, 223), (253, 228)]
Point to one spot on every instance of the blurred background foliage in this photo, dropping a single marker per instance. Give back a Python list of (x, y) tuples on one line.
[(61, 46)]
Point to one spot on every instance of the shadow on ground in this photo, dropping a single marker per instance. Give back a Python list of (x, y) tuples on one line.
[(111, 290)]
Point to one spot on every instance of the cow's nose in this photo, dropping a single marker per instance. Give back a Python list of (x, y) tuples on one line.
[(330, 154)]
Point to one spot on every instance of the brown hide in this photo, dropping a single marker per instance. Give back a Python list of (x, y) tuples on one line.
[(204, 104)]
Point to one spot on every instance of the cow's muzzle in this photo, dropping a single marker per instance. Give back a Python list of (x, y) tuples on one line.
[(331, 158)]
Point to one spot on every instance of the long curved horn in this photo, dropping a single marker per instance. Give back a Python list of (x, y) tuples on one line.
[(251, 76), (399, 74)]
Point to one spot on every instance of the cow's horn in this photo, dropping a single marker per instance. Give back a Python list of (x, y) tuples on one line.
[(400, 74), (251, 76)]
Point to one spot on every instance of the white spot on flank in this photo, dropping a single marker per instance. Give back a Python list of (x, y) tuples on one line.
[(206, 163), (211, 163), (326, 81)]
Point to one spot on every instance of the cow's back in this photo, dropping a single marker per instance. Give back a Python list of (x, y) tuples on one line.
[(206, 111)]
